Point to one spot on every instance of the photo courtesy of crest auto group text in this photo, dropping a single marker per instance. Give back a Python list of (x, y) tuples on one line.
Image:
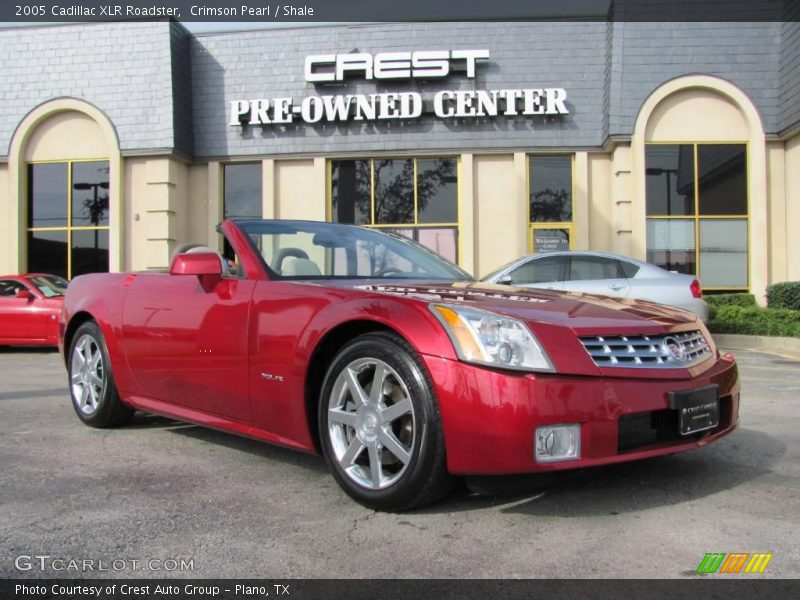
[(508, 299)]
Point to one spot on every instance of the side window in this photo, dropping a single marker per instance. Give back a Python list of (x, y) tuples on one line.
[(593, 267), (9, 288), (232, 266), (538, 270), (629, 269)]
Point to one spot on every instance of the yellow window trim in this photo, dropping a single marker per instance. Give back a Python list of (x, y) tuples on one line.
[(69, 228), (534, 225), (76, 228), (411, 225), (696, 217)]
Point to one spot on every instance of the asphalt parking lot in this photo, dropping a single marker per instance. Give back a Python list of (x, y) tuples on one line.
[(162, 491)]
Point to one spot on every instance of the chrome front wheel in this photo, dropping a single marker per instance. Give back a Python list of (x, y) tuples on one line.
[(371, 423), (379, 425)]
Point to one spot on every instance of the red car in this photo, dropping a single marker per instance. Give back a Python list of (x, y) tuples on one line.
[(30, 306), (393, 363)]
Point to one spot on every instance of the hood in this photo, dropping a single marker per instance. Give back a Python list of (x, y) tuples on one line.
[(581, 312), (550, 313)]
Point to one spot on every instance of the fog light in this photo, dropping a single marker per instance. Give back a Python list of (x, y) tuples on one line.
[(557, 442)]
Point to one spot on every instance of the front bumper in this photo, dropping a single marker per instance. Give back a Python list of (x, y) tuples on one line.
[(489, 417)]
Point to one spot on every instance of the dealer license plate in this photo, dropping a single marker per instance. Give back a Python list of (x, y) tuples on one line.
[(698, 409)]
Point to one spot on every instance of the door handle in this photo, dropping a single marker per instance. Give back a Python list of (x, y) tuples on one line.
[(616, 287)]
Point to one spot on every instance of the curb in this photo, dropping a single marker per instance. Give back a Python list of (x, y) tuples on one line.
[(783, 346)]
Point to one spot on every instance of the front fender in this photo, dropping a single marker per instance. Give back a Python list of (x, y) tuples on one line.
[(411, 320), (101, 298)]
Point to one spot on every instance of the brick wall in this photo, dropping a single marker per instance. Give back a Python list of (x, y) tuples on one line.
[(164, 89), (649, 54), (122, 68), (789, 99)]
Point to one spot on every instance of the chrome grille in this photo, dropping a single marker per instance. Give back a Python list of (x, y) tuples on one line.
[(670, 351)]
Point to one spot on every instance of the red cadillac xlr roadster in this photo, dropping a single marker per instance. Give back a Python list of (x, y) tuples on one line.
[(393, 363)]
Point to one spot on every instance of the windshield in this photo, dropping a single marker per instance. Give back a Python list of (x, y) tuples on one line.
[(312, 250), (49, 285)]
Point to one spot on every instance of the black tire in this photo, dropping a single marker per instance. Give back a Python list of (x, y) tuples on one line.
[(422, 478), (91, 383)]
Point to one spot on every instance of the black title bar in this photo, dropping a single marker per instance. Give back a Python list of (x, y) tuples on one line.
[(309, 11)]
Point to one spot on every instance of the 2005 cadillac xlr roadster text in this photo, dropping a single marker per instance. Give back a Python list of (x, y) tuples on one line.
[(394, 364)]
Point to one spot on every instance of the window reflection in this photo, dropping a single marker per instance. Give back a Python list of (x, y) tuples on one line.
[(437, 190), (89, 194), (68, 217), (442, 240), (550, 188), (723, 252), (47, 252), (415, 195), (47, 195), (694, 181), (243, 191), (394, 191), (89, 251), (671, 244), (351, 191), (722, 178), (670, 179), (242, 196)]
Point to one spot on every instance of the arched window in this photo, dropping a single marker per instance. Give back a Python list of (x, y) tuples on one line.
[(699, 178), (65, 171)]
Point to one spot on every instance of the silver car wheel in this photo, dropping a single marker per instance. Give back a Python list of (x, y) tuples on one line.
[(371, 423), (87, 374)]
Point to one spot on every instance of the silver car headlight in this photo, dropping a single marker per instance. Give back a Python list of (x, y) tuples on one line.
[(487, 338)]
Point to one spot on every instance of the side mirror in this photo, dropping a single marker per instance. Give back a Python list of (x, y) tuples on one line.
[(201, 263), (505, 280), (24, 295)]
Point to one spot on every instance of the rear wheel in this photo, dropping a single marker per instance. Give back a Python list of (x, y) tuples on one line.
[(91, 383), (379, 425)]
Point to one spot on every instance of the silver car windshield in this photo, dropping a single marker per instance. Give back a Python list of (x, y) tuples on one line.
[(313, 250)]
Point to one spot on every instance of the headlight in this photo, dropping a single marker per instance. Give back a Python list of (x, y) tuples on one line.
[(489, 339)]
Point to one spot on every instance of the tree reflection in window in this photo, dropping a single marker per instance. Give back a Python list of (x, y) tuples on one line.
[(351, 185), (90, 193), (408, 192), (394, 191), (437, 190), (68, 223), (550, 189)]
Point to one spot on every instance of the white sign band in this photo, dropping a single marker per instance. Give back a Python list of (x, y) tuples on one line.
[(428, 64), (399, 105)]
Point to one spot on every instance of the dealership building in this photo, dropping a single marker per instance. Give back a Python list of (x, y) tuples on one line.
[(678, 143)]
